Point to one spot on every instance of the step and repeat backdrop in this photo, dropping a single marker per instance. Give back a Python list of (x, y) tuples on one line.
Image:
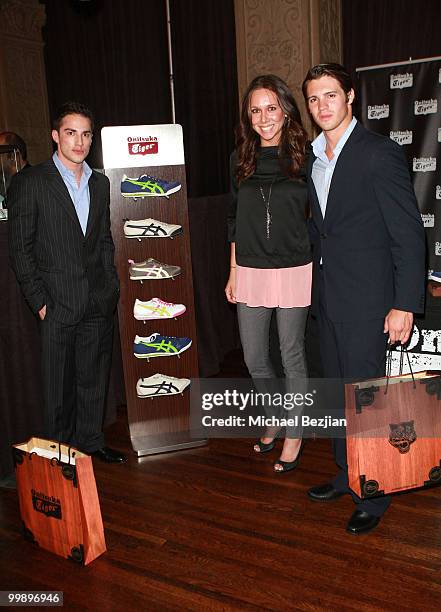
[(403, 102)]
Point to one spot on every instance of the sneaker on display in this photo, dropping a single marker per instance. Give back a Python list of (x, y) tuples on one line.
[(156, 309), (152, 269), (147, 186), (157, 346), (160, 385), (150, 228), (435, 276)]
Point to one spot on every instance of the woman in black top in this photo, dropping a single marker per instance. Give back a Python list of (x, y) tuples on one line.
[(270, 253)]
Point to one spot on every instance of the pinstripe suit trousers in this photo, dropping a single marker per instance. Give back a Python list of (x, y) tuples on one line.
[(75, 371)]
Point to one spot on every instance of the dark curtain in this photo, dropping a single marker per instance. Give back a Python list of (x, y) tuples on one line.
[(216, 322), (383, 31), (112, 56), (204, 60)]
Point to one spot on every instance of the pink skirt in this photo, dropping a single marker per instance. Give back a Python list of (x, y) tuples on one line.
[(272, 288)]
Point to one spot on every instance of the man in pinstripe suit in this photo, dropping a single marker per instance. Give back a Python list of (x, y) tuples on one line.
[(62, 251)]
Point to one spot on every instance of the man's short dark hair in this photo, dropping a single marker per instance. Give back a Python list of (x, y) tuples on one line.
[(336, 71), (14, 140), (71, 108)]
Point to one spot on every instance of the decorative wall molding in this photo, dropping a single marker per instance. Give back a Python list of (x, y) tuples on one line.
[(23, 91), (270, 38), (22, 19), (285, 37)]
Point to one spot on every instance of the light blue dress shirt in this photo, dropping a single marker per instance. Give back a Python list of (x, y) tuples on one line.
[(79, 194), (323, 168)]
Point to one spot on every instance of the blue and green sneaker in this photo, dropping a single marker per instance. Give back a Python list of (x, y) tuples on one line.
[(159, 346), (147, 186)]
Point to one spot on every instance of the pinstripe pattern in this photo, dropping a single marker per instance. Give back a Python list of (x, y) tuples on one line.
[(75, 368), (54, 263), (75, 277)]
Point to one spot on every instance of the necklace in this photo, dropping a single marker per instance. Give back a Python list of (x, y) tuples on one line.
[(267, 202)]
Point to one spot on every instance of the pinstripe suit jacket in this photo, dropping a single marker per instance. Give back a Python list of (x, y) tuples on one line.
[(54, 262)]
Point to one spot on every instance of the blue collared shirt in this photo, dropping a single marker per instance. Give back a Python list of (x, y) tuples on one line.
[(323, 169), (79, 194)]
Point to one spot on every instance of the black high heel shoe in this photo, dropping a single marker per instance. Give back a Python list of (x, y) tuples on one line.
[(264, 448), (287, 466)]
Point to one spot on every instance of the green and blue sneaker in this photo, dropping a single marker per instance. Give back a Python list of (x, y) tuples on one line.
[(147, 186), (159, 346)]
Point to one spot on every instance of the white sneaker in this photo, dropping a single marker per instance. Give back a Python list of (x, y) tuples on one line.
[(152, 269), (150, 228), (160, 384), (156, 309)]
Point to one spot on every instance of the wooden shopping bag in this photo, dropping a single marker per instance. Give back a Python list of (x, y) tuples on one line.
[(59, 503), (393, 433)]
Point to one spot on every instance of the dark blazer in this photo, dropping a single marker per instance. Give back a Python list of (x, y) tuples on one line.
[(372, 238), (54, 262)]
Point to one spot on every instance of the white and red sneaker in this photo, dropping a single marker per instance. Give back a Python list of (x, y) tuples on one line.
[(156, 309)]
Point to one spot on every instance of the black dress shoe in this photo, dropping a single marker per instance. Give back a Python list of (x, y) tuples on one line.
[(108, 455), (324, 493), (362, 522)]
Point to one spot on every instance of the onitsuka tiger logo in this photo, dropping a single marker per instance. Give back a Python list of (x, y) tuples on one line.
[(142, 145), (402, 435)]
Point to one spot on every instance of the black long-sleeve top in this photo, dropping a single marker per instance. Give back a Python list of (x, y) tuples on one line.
[(288, 243)]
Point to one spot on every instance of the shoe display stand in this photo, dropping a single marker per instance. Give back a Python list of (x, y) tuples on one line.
[(162, 423)]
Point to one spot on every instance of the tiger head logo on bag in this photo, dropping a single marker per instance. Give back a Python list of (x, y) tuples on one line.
[(402, 435)]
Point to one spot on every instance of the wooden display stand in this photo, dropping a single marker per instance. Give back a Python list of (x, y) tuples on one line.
[(161, 424)]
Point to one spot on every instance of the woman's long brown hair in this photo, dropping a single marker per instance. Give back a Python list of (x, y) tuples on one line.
[(293, 138)]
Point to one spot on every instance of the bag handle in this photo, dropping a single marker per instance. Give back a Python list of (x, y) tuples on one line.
[(58, 459), (389, 365)]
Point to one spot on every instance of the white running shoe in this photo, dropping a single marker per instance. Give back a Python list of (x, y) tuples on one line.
[(150, 228), (152, 269), (156, 309), (160, 384)]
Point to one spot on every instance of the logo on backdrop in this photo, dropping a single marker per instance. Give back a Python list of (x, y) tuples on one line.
[(424, 348), (403, 137), (438, 192), (399, 81), (424, 164), (378, 111), (437, 248), (439, 134), (428, 220), (142, 145), (425, 107), (439, 76)]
